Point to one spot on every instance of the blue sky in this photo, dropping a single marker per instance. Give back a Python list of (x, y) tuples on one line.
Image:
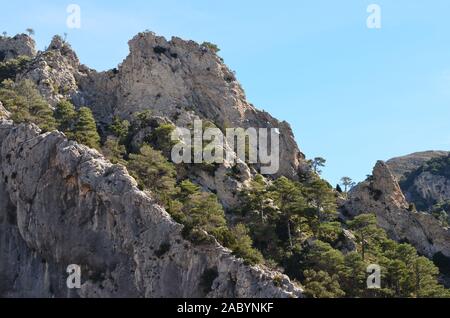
[(352, 95)]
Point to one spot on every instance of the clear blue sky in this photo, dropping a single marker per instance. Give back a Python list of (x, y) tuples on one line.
[(352, 95)]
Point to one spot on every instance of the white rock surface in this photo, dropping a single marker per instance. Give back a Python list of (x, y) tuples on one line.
[(62, 203)]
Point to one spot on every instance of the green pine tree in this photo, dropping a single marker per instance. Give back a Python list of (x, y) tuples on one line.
[(65, 115), (86, 129)]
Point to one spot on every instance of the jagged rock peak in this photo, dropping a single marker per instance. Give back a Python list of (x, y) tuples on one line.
[(20, 44), (181, 80), (381, 194), (61, 45), (385, 182)]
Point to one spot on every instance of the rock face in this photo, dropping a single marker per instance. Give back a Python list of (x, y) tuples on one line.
[(177, 80), (421, 181), (176, 77), (381, 194), (62, 203), (428, 189), (401, 166), (55, 71), (18, 45)]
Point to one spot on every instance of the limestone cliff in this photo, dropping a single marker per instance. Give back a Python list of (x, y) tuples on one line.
[(382, 195), (424, 178), (180, 80), (177, 80), (13, 47), (401, 166), (62, 203)]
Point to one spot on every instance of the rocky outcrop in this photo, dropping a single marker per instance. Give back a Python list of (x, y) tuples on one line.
[(423, 184), (381, 194), (19, 45), (177, 80), (428, 189), (62, 203), (174, 78), (55, 71), (401, 166)]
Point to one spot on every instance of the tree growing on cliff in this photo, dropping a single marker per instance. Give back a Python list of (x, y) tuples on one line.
[(86, 129), (365, 229), (152, 171), (321, 202), (114, 151), (120, 128), (289, 199), (213, 47), (347, 182), (30, 31), (10, 68), (317, 163), (26, 104), (65, 115)]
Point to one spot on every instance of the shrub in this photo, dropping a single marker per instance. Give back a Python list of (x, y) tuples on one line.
[(211, 46), (10, 68)]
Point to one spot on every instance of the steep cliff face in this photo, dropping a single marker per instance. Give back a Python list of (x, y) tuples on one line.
[(55, 71), (62, 203), (425, 178), (13, 47), (177, 80), (401, 166), (382, 195), (174, 78)]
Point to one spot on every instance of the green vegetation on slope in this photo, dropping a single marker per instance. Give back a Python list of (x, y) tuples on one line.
[(294, 225), (288, 225)]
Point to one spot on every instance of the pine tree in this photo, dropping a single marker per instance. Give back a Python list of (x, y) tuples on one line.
[(26, 104), (242, 245), (187, 188), (160, 138), (348, 183), (365, 229), (321, 198), (114, 151), (86, 129), (120, 128), (153, 172), (288, 197), (316, 164), (319, 284), (65, 116)]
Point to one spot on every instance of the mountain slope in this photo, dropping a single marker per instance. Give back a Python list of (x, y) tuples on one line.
[(62, 203)]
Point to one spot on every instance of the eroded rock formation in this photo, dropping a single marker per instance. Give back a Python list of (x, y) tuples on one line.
[(178, 80), (62, 203), (19, 45), (381, 194)]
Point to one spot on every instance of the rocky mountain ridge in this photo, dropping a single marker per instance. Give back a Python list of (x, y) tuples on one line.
[(382, 195), (401, 166), (178, 80), (129, 245), (424, 180), (63, 203)]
